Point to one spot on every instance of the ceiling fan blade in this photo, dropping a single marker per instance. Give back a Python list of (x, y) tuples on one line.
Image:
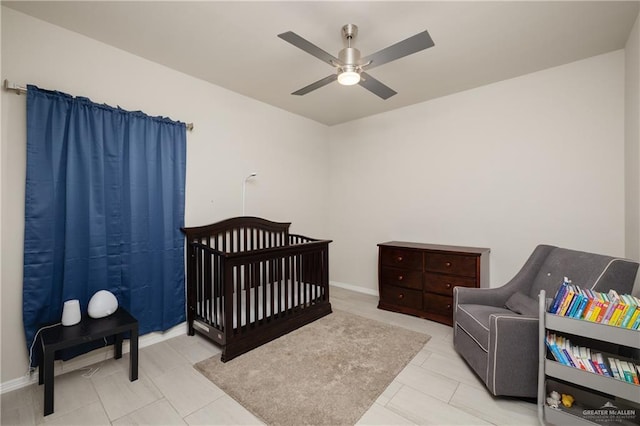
[(403, 48), (309, 47), (375, 87), (318, 84)]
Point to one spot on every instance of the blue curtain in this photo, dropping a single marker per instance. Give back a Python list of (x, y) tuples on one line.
[(104, 205)]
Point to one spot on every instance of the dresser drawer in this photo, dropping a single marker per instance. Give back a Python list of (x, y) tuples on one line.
[(451, 264), (437, 304), (444, 284), (401, 277), (400, 258), (402, 297)]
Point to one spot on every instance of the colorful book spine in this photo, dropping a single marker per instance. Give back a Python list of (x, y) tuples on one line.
[(614, 369), (626, 370), (597, 309), (634, 317), (593, 302), (617, 312), (603, 365), (613, 300), (583, 304), (553, 347), (636, 324), (571, 292), (605, 305), (560, 295), (566, 350), (577, 300), (634, 375), (630, 310)]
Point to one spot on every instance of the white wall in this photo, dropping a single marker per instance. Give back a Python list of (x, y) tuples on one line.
[(632, 142), (233, 136), (536, 159)]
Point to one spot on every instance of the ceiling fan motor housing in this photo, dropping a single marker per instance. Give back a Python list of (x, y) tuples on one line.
[(350, 56)]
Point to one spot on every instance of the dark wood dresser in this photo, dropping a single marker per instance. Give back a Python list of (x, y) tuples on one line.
[(418, 279)]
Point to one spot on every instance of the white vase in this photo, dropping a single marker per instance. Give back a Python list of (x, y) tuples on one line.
[(71, 312)]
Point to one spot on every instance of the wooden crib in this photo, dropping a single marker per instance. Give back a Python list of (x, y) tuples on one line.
[(250, 281)]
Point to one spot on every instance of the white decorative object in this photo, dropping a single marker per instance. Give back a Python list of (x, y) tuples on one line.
[(244, 189), (553, 400), (71, 312), (102, 304)]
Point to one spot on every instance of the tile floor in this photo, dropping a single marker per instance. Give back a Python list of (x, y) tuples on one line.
[(436, 387)]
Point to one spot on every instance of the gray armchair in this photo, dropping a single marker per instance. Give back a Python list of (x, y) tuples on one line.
[(500, 343)]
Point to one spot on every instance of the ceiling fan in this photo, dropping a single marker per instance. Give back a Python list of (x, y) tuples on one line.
[(351, 67)]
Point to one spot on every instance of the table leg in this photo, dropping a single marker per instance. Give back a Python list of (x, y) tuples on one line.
[(40, 364), (118, 346), (48, 381), (133, 352)]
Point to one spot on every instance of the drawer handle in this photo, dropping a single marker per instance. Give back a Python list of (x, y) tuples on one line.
[(400, 277), (401, 296), (448, 285), (448, 306), (447, 264), (399, 258)]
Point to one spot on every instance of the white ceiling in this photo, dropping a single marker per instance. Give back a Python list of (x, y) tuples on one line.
[(235, 44)]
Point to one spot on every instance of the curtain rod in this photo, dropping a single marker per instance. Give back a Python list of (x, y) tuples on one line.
[(21, 90)]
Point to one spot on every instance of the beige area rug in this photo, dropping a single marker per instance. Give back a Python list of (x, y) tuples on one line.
[(328, 372)]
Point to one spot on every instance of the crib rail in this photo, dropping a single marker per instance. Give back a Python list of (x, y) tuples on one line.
[(240, 234), (300, 239)]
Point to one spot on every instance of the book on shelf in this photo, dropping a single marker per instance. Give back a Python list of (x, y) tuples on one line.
[(583, 358), (631, 310), (632, 370), (614, 368), (611, 308), (560, 296), (636, 323), (613, 299)]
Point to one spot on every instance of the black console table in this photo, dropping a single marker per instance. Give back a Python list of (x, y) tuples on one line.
[(60, 337)]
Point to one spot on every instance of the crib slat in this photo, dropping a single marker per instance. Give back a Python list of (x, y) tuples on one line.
[(248, 291), (274, 286), (298, 280), (208, 300), (260, 293), (200, 281), (215, 297), (244, 240)]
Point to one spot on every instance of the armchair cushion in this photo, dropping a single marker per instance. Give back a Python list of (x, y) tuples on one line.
[(520, 303)]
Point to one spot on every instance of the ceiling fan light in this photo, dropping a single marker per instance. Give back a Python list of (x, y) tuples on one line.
[(348, 78)]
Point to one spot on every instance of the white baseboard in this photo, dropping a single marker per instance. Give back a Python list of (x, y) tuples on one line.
[(355, 288), (93, 357)]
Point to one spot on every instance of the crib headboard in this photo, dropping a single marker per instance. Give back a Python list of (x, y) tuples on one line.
[(240, 234)]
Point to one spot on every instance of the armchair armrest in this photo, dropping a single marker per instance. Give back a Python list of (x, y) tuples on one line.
[(513, 355), (481, 296)]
